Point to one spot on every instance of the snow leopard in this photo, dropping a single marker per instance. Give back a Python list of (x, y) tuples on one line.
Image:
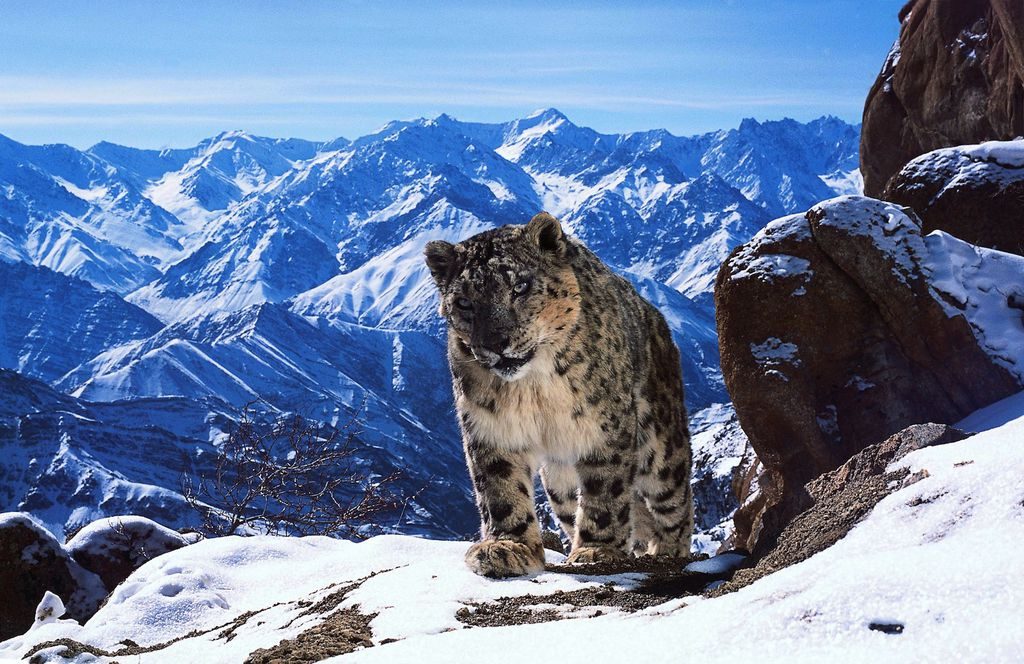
[(560, 367)]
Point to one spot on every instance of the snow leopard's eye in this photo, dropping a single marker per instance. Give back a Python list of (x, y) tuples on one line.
[(521, 287), (463, 303)]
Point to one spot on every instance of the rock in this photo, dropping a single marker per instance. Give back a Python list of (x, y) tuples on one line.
[(954, 76), (114, 547), (974, 192), (551, 541), (839, 499), (50, 609), (33, 562), (836, 331)]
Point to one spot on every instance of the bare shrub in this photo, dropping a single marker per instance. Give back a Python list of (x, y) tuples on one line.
[(290, 477)]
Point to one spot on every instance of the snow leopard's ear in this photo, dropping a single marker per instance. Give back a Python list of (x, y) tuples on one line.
[(441, 260), (546, 232)]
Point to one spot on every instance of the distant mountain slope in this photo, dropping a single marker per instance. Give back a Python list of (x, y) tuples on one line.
[(72, 212), (69, 461), (50, 323), (197, 184), (289, 273), (640, 200)]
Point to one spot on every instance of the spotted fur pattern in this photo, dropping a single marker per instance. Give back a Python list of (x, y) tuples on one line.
[(560, 367)]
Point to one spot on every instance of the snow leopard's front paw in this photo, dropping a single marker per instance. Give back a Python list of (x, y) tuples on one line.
[(503, 558), (595, 554), (665, 549)]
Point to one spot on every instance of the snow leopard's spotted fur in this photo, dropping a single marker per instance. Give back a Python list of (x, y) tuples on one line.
[(559, 365)]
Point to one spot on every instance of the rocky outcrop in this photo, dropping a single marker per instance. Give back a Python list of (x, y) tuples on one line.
[(842, 326), (115, 547), (32, 562), (955, 76), (975, 192), (838, 500)]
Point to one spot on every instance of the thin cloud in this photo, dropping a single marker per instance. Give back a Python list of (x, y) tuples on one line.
[(57, 97)]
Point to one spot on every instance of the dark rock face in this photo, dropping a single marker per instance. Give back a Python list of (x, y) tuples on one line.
[(32, 561), (955, 76), (974, 192), (838, 500), (832, 338), (113, 548)]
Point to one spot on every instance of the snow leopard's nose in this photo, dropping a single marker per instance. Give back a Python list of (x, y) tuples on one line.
[(496, 344), (489, 343), (490, 348)]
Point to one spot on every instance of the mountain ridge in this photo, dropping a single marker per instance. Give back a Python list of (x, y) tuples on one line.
[(289, 273)]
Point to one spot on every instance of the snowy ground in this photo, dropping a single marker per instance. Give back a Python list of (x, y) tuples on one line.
[(937, 560)]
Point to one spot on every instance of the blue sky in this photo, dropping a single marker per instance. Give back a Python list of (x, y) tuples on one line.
[(158, 74)]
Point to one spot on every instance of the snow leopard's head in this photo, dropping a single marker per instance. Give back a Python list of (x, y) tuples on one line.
[(507, 293)]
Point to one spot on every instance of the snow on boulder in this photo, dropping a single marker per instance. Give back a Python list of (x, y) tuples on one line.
[(33, 565), (842, 326), (114, 547), (973, 192)]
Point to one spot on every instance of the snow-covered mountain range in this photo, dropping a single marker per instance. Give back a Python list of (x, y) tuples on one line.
[(161, 291)]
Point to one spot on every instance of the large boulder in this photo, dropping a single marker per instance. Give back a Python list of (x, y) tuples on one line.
[(954, 76), (32, 562), (844, 325), (975, 192), (114, 547)]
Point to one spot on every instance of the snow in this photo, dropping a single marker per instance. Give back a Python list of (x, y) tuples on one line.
[(935, 557), (418, 588), (773, 350), (981, 283), (1005, 153), (720, 449), (859, 382), (769, 267), (994, 415), (50, 608), (996, 162), (720, 564), (886, 225), (772, 354), (902, 565), (845, 182), (132, 538)]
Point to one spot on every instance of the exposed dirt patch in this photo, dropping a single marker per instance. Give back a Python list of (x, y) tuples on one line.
[(524, 610), (664, 580), (642, 565), (342, 632)]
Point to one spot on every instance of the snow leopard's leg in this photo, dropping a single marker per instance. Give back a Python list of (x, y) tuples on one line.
[(663, 450), (561, 484), (503, 482), (605, 501), (642, 523)]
